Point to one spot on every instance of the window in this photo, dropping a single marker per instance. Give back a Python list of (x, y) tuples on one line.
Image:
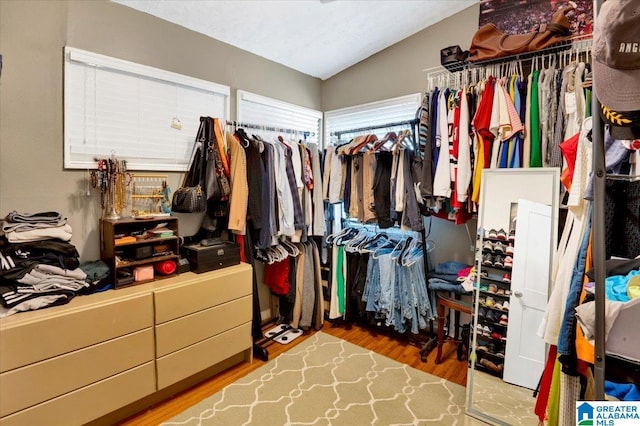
[(141, 114), (261, 110), (371, 114)]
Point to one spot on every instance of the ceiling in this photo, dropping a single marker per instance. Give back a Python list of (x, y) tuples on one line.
[(317, 37)]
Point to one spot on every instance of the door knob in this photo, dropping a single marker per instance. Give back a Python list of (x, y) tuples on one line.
[(517, 294)]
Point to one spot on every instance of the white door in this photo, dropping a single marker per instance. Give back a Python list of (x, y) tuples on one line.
[(525, 351)]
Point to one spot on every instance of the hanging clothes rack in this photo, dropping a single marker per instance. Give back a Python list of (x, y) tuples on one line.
[(413, 123), (339, 133), (471, 72), (305, 133)]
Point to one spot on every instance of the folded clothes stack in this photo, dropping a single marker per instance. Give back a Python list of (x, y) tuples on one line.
[(38, 265), (25, 227)]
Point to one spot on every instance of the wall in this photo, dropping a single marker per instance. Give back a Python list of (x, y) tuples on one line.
[(397, 71), (32, 37)]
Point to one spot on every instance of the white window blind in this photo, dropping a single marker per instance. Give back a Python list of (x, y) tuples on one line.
[(371, 114), (141, 114), (272, 113)]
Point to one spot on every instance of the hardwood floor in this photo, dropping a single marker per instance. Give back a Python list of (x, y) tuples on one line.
[(392, 347)]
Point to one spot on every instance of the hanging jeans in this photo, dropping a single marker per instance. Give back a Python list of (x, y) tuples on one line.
[(566, 338)]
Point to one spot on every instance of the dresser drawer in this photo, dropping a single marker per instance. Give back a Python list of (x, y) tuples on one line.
[(185, 331), (50, 335), (35, 383), (188, 361), (204, 291), (90, 402)]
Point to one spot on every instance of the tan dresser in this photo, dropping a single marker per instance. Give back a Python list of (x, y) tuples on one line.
[(75, 363)]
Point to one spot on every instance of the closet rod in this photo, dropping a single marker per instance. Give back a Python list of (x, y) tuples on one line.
[(598, 238), (394, 231), (306, 133), (413, 122)]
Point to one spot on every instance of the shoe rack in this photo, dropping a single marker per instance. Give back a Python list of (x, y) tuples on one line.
[(494, 252)]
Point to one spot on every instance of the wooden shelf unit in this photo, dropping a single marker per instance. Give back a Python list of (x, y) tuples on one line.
[(125, 256)]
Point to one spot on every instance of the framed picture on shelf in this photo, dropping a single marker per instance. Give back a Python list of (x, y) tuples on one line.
[(523, 16)]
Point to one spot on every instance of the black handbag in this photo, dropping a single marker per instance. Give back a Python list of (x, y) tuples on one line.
[(452, 55), (191, 197)]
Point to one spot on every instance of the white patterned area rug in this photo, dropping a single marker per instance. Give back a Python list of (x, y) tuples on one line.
[(328, 381)]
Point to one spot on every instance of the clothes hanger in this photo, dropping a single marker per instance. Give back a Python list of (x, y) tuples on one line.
[(291, 248), (398, 249), (342, 240), (332, 237), (387, 244), (354, 243), (243, 138), (413, 253), (370, 245)]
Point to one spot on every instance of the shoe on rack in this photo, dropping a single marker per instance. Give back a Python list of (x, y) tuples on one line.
[(507, 292), (498, 261), (507, 279), (487, 246), (509, 250), (483, 301), (490, 302), (508, 262), (502, 235), (491, 347), (504, 319), (484, 287), (478, 329), (500, 292), (498, 247), (495, 335), (482, 314), (486, 331), (487, 259), (497, 305), (505, 306), (489, 365), (512, 236), (492, 234), (492, 288), (491, 316)]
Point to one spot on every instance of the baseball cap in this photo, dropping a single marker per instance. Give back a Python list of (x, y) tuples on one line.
[(616, 61)]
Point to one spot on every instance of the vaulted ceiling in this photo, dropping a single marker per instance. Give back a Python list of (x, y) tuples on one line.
[(317, 37)]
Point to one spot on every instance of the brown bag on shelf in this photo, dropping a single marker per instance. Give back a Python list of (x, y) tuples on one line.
[(490, 43)]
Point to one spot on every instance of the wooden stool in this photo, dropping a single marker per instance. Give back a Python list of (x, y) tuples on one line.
[(445, 301)]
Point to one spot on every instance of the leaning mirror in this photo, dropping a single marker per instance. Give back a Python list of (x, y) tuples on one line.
[(517, 231)]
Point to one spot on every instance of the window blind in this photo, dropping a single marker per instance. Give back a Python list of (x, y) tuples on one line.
[(141, 114), (269, 112), (370, 114)]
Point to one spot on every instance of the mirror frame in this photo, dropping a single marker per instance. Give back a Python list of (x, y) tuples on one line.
[(546, 172)]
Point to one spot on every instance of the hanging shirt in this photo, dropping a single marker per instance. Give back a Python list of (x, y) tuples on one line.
[(335, 176), (442, 178), (526, 148), (319, 226), (536, 147), (239, 197), (482, 122), (464, 151)]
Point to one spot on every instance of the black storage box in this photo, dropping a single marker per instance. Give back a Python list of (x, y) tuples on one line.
[(208, 258)]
